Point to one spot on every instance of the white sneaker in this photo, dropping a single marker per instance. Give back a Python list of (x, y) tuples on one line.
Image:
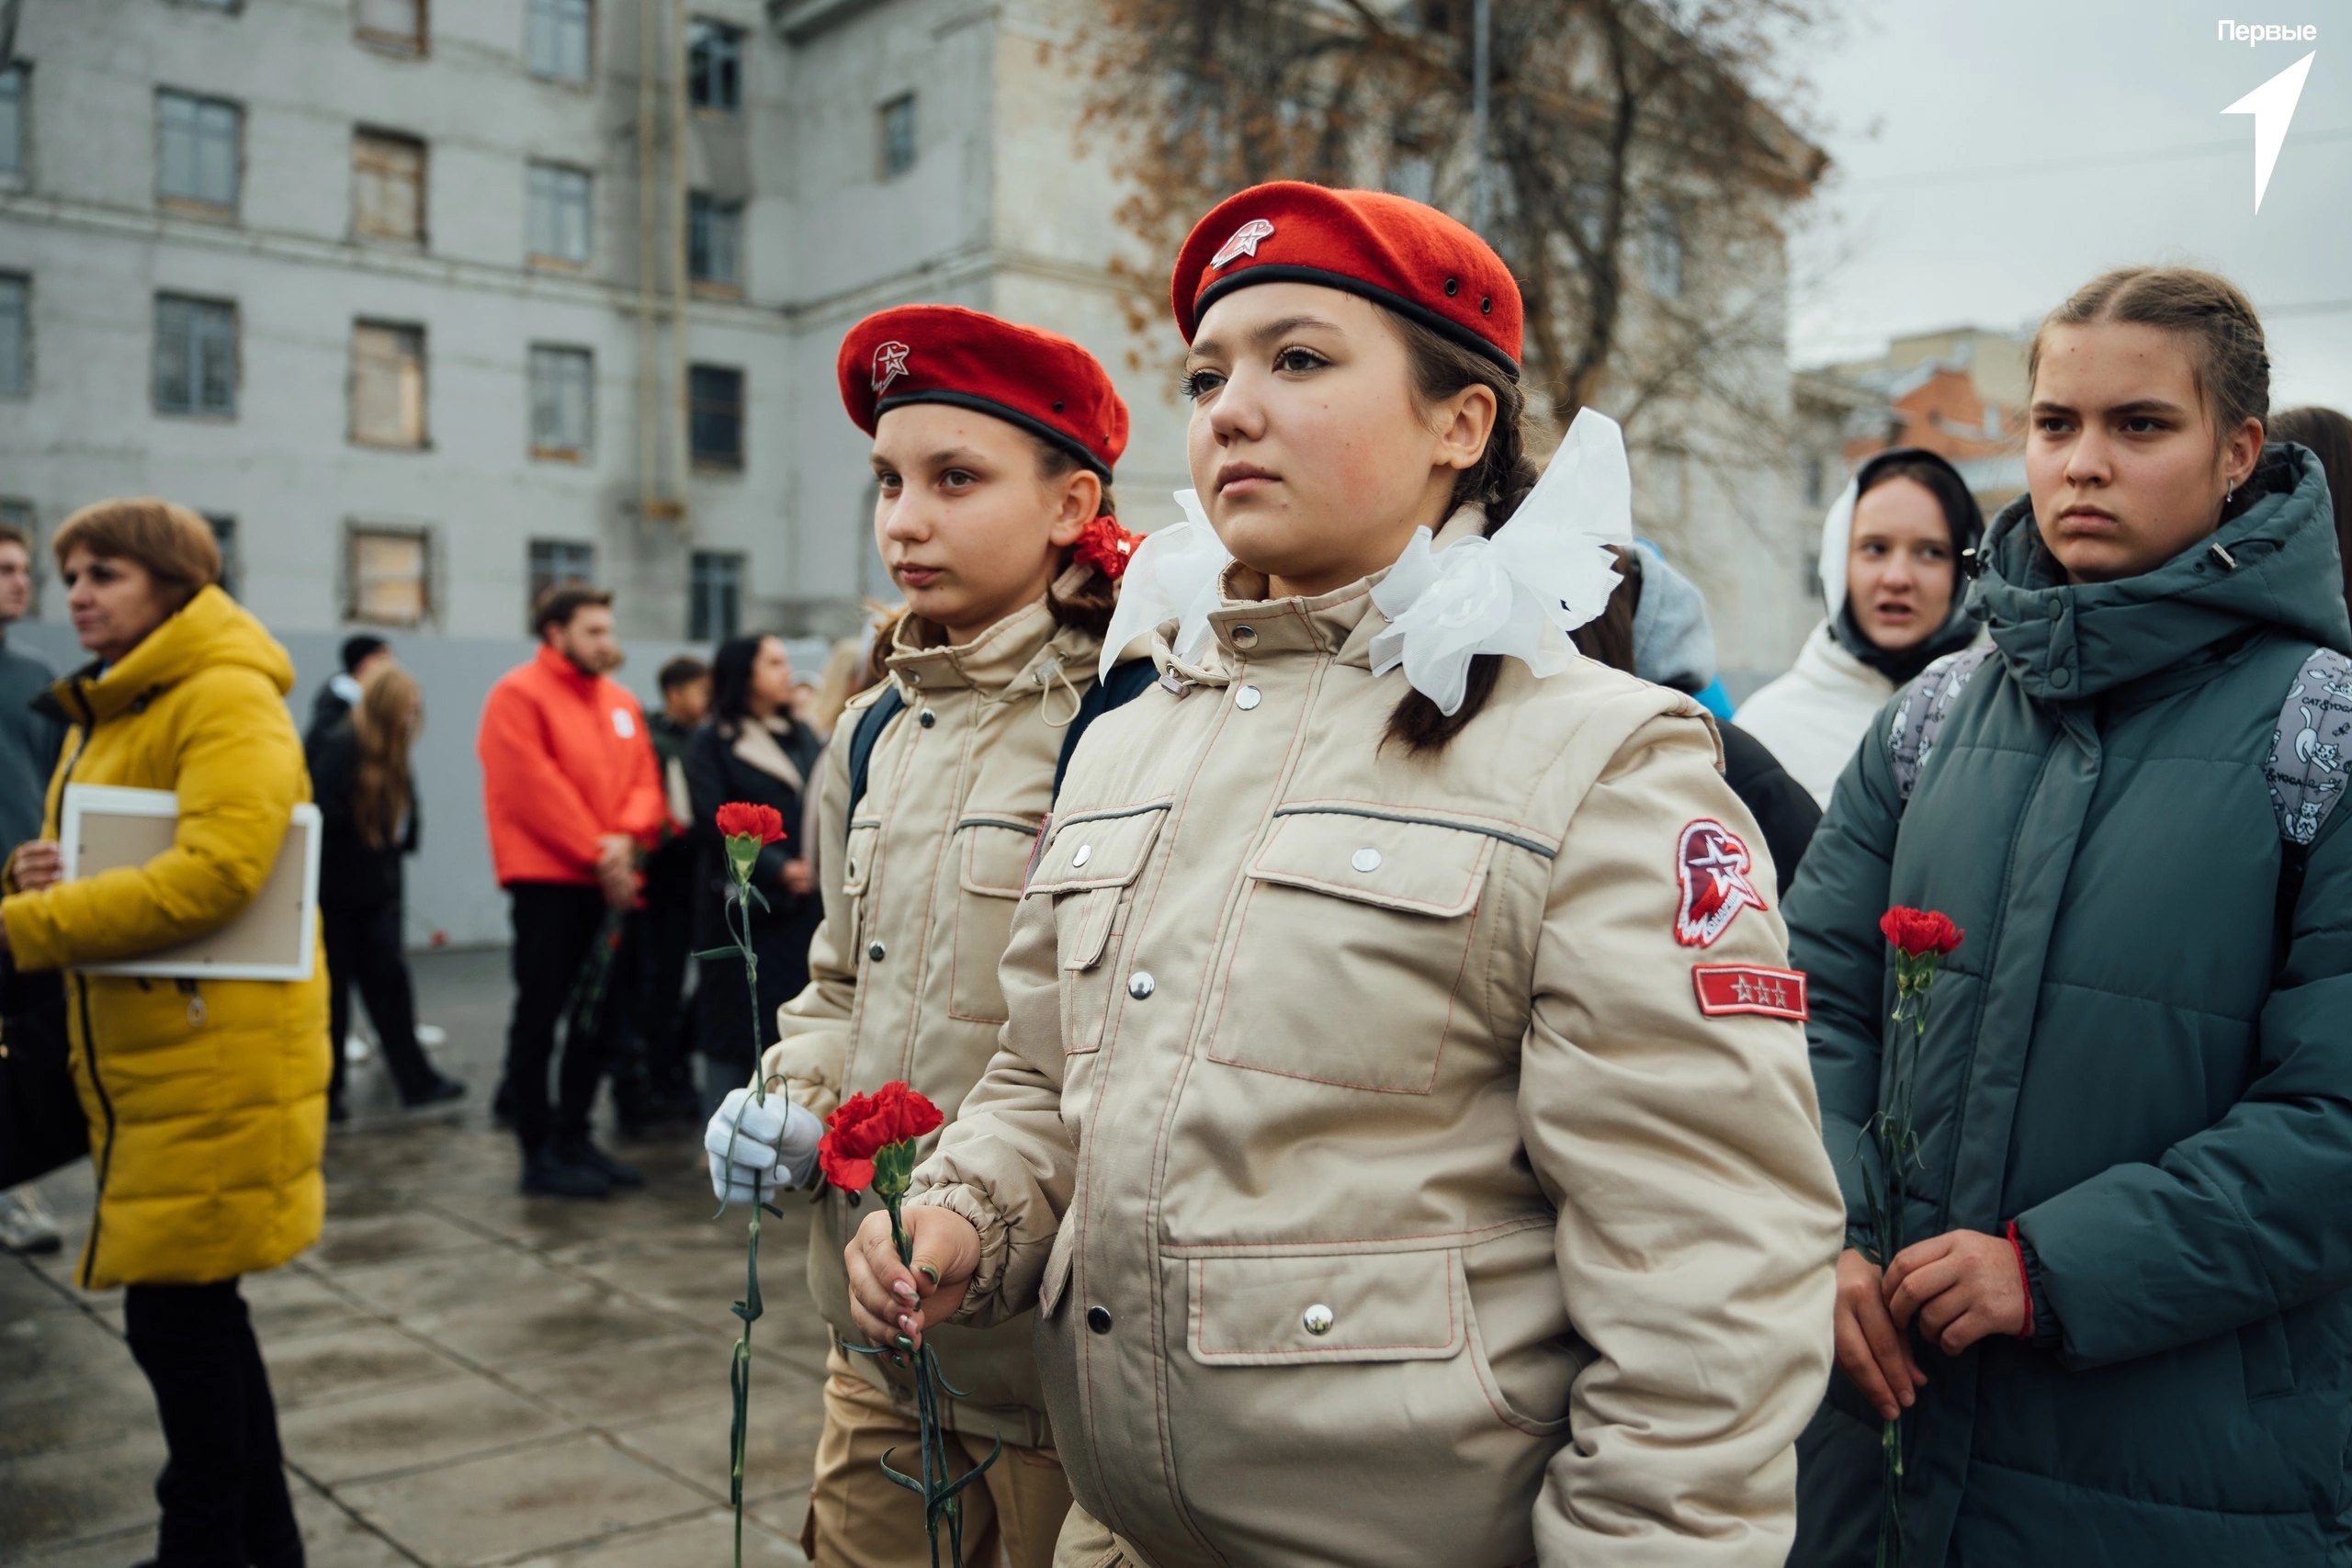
[(26, 1224), (432, 1036), (356, 1048)]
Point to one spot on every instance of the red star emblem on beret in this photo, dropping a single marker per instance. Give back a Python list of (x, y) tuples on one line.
[(889, 364)]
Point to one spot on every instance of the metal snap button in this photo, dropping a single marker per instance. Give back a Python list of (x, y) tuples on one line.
[(1316, 1320), (1244, 637), (1248, 698), (1140, 985), (926, 718), (876, 951), (1085, 852), (1098, 1318), (1366, 858), (914, 677)]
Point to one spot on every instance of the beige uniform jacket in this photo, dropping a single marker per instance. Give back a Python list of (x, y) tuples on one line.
[(903, 971), (1384, 1196)]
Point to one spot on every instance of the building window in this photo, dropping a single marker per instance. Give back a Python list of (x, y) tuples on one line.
[(558, 215), (16, 335), (387, 187), (387, 385), (224, 533), (714, 241), (561, 40), (15, 87), (196, 155), (558, 560), (715, 66), (1663, 250), (390, 577), (898, 136), (195, 356), (715, 408), (562, 402), (714, 612), (397, 26)]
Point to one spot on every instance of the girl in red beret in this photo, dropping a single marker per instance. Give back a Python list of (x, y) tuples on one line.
[(1402, 1128), (993, 447)]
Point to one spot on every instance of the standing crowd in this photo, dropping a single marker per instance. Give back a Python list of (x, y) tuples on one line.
[(1419, 1064)]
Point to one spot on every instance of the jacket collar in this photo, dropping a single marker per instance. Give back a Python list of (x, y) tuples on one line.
[(2065, 642), (1026, 650), (563, 669), (210, 629), (1248, 626), (760, 745)]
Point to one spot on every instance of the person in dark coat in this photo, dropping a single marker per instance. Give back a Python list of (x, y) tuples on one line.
[(367, 798), (362, 656), (1656, 628), (653, 1073), (753, 750), (2117, 1322)]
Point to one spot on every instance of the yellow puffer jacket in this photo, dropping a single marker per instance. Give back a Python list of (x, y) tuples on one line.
[(207, 1100)]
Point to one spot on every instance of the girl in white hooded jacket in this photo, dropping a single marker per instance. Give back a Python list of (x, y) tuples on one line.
[(1891, 553)]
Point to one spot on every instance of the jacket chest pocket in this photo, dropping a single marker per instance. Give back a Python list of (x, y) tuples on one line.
[(858, 854), (1356, 949), (1090, 868), (989, 854)]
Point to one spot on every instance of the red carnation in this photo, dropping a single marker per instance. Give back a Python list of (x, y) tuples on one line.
[(740, 820), (1107, 548), (877, 1128), (1918, 933)]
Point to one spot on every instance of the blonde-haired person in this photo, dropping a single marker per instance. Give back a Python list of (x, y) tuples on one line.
[(206, 1099), (1401, 1125), (365, 786), (2122, 1320)]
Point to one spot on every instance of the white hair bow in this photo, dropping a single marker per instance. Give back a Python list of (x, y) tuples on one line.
[(1521, 590), (1173, 575)]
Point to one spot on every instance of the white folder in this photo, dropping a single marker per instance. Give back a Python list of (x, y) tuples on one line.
[(274, 938)]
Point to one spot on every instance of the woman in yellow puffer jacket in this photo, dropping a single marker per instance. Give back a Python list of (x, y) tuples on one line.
[(206, 1100)]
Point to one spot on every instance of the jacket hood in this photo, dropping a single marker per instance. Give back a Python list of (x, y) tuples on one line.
[(1967, 526), (209, 631), (2064, 642)]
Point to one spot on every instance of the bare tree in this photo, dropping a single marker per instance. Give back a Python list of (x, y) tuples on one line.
[(1640, 168)]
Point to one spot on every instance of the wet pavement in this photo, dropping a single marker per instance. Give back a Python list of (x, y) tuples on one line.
[(464, 1375)]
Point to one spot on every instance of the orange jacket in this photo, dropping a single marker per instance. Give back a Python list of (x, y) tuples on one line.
[(565, 761)]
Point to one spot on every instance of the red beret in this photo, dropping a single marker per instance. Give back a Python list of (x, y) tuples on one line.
[(944, 353), (1393, 251)]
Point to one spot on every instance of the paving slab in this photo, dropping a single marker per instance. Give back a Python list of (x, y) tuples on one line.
[(410, 1429), (327, 1368), (558, 1495)]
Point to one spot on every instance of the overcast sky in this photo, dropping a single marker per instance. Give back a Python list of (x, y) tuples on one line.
[(2022, 146)]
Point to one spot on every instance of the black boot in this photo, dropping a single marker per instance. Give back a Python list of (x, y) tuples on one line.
[(582, 1152), (545, 1174)]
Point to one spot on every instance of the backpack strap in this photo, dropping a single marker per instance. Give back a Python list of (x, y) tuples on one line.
[(1123, 686), (2308, 770), (1924, 706), (862, 741)]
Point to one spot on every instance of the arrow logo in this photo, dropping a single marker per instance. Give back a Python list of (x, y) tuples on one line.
[(2272, 104)]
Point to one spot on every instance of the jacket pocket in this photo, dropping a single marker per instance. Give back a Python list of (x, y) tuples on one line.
[(991, 855), (2270, 1364), (1382, 911), (1301, 1310), (1090, 868)]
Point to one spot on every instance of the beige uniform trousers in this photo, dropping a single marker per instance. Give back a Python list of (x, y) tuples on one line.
[(1087, 1543), (859, 1518)]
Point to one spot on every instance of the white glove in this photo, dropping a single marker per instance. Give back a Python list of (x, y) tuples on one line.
[(758, 1148)]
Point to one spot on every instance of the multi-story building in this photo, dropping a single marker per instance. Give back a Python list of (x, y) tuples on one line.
[(428, 304)]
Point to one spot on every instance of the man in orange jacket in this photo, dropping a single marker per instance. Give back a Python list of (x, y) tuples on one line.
[(572, 793)]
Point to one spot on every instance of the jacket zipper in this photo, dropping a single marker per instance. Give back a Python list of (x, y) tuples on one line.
[(81, 984)]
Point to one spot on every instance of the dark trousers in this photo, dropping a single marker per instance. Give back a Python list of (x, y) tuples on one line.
[(556, 931), (224, 1488), (662, 940), (364, 950)]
